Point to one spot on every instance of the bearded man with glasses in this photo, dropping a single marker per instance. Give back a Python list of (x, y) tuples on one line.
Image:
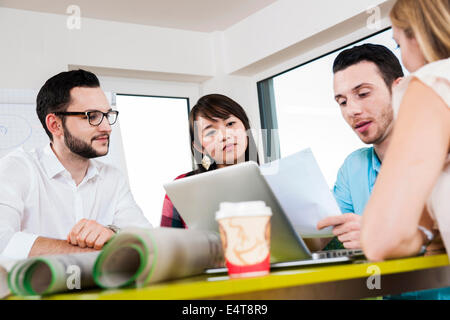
[(59, 199)]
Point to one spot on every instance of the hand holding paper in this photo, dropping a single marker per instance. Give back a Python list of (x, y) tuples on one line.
[(346, 227)]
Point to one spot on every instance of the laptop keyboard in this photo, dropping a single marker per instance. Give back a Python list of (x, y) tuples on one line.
[(337, 253)]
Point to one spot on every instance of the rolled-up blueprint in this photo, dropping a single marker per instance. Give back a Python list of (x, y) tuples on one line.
[(52, 273), (4, 290), (5, 266), (142, 256)]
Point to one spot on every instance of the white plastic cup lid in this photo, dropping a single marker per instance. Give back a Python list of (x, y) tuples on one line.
[(243, 209)]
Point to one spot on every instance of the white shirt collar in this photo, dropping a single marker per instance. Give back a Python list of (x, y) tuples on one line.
[(93, 170), (53, 166), (50, 162)]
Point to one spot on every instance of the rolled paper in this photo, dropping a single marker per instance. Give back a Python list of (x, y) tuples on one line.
[(49, 274), (5, 266), (139, 257)]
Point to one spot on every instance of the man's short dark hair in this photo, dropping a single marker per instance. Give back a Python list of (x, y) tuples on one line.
[(55, 93), (384, 59)]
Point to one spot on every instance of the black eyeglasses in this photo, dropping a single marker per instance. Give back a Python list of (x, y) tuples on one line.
[(94, 117)]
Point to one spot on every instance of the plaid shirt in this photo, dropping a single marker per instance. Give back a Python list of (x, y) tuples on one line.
[(170, 216)]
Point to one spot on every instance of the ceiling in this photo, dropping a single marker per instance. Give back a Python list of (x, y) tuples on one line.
[(193, 15)]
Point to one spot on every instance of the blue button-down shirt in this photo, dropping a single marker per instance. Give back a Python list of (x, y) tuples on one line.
[(356, 179), (354, 184)]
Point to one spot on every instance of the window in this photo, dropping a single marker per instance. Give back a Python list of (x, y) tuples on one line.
[(300, 104), (155, 135)]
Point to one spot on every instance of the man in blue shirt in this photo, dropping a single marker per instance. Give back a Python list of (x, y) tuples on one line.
[(364, 77)]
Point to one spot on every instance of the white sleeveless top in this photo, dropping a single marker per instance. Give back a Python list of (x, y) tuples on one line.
[(435, 75)]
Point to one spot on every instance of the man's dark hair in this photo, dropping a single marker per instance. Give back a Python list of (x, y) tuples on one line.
[(384, 59), (55, 93)]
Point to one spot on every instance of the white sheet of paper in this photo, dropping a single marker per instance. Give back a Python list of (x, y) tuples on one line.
[(302, 192)]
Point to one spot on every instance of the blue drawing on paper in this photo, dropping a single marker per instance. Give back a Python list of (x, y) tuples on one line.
[(14, 131)]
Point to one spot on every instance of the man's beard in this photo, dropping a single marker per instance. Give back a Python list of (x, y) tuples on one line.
[(387, 124), (80, 147)]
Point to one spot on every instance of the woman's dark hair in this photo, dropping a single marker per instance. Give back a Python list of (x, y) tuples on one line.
[(215, 106), (386, 61), (55, 93)]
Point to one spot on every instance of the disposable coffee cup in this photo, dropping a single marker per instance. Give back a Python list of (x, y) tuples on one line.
[(245, 234)]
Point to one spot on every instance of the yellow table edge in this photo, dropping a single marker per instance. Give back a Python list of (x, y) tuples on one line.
[(201, 289)]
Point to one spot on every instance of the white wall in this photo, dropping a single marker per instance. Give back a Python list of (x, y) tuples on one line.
[(283, 24), (240, 88), (151, 87), (36, 46)]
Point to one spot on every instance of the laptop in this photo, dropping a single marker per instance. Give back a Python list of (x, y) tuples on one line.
[(197, 199)]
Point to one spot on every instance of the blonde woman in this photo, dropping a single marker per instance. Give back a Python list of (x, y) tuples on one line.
[(410, 204)]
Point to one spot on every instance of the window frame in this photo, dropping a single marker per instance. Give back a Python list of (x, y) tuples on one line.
[(267, 103), (188, 103)]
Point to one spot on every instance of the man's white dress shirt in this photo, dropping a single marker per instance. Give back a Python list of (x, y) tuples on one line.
[(38, 197)]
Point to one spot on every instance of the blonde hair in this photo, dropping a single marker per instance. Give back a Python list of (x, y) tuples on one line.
[(428, 21)]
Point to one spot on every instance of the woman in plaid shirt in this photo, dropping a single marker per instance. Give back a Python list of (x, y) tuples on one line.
[(220, 136)]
